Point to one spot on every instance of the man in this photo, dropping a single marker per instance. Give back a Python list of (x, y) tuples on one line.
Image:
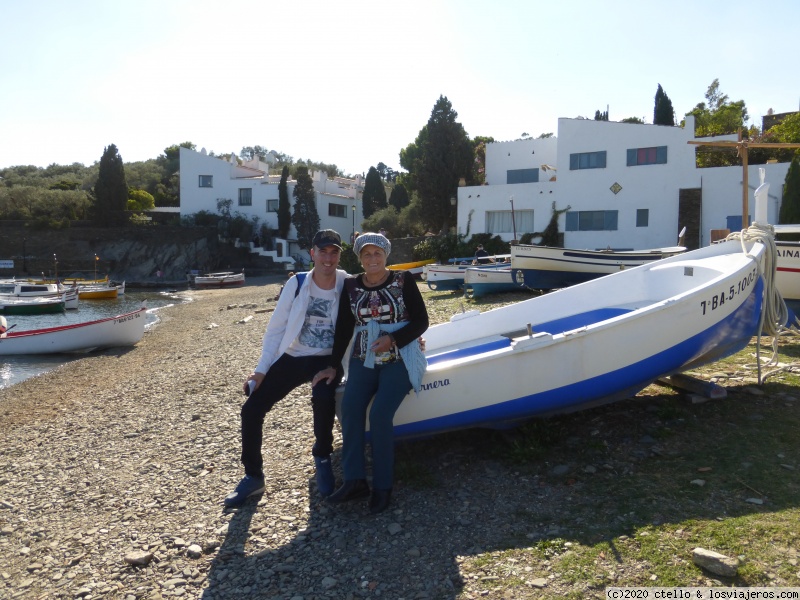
[(480, 256), (296, 346)]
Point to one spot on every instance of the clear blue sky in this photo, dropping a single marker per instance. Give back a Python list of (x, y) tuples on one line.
[(352, 82)]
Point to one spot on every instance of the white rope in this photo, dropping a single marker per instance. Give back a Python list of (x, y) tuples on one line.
[(774, 312)]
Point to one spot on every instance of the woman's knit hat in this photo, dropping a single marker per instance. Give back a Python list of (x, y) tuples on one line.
[(372, 239)]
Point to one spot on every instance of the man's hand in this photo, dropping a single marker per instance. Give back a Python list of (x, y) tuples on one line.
[(328, 375), (257, 377)]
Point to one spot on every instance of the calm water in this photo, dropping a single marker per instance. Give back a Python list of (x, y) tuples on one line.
[(14, 369)]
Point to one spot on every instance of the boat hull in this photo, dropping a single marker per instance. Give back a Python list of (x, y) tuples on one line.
[(589, 344), (219, 280), (481, 282), (32, 306), (547, 268), (121, 330), (787, 274), (451, 277)]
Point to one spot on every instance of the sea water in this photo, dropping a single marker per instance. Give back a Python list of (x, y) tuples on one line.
[(14, 369)]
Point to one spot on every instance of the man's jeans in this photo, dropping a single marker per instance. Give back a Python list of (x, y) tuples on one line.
[(286, 374)]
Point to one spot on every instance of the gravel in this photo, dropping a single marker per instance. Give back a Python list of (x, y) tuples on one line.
[(113, 469)]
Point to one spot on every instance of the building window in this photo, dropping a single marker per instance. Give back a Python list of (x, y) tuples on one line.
[(245, 197), (206, 181), (522, 176), (587, 160), (272, 205), (337, 210), (499, 221), (647, 156), (642, 217), (592, 220)]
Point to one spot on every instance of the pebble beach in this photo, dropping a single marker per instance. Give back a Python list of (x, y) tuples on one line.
[(113, 469)]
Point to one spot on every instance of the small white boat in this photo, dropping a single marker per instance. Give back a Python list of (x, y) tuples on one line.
[(451, 276), (25, 289), (479, 282), (548, 268), (593, 343), (218, 280), (122, 330)]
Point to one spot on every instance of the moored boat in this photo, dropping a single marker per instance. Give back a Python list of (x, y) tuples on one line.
[(548, 268), (121, 330), (99, 292), (480, 282), (589, 344), (415, 268), (24, 289), (451, 276), (35, 305), (218, 280)]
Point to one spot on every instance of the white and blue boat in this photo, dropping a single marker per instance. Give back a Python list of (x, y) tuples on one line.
[(480, 282), (450, 277), (549, 268), (593, 343)]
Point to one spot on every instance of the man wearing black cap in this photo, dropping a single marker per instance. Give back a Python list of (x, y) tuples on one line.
[(297, 345)]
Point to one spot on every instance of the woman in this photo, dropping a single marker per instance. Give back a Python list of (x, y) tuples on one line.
[(386, 311)]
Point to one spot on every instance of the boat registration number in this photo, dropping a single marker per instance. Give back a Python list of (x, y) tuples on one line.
[(129, 317), (721, 297)]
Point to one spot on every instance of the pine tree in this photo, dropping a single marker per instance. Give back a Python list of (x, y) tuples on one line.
[(790, 206), (663, 113), (111, 189), (374, 196), (305, 217), (441, 155), (284, 208)]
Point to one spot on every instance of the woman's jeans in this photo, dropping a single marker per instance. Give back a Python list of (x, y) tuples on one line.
[(288, 373), (389, 383)]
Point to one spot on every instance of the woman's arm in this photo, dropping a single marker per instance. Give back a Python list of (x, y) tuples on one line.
[(417, 312)]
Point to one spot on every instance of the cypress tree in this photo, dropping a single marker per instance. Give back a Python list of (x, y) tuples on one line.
[(284, 208), (663, 113), (305, 217), (111, 189), (374, 196)]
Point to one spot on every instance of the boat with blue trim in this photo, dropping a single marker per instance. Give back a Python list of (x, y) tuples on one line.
[(589, 344)]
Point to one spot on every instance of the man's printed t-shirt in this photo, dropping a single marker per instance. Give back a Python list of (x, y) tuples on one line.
[(316, 335)]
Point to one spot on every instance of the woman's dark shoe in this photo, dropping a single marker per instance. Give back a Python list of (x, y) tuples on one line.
[(379, 501), (350, 490)]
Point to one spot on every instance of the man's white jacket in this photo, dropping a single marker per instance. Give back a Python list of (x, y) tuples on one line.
[(288, 318)]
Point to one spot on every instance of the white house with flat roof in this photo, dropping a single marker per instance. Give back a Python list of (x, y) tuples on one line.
[(626, 186), (254, 193)]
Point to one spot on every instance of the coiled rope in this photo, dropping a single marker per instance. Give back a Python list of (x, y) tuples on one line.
[(773, 312)]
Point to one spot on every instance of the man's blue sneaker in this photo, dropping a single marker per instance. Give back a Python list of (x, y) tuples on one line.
[(325, 479), (249, 486)]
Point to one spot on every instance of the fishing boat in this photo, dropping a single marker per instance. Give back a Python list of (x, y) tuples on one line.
[(480, 282), (121, 330), (787, 278), (451, 276), (23, 289), (415, 268), (593, 343), (100, 292), (549, 268), (219, 280), (35, 305)]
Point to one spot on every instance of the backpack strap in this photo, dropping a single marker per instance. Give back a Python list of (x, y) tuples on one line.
[(300, 278)]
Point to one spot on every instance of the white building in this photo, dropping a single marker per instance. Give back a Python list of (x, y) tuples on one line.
[(254, 193), (627, 186)]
